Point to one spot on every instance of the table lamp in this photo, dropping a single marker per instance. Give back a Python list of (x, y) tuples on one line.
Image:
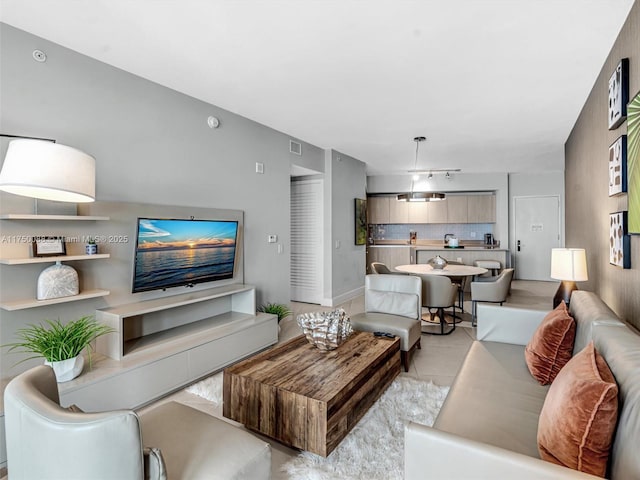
[(50, 171), (570, 266)]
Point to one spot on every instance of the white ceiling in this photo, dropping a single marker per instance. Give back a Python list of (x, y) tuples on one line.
[(494, 85)]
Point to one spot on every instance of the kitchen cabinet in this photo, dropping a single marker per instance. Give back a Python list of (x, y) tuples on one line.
[(398, 211), (457, 208), (418, 212), (481, 209), (378, 210), (438, 212)]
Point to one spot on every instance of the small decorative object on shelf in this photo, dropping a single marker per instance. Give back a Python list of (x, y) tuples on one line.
[(91, 248), (49, 247), (60, 345), (57, 281), (437, 262), (326, 330)]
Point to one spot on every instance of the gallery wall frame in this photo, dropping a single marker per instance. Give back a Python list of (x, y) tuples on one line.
[(633, 164), (619, 240), (360, 221), (618, 94), (618, 166)]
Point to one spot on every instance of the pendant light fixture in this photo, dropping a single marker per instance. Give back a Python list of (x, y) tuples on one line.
[(419, 196)]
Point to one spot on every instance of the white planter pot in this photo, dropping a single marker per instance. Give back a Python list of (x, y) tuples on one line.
[(66, 370)]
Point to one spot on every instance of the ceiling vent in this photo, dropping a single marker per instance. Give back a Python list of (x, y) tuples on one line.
[(295, 147)]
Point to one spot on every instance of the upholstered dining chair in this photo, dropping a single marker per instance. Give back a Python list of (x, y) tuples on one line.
[(460, 282), (380, 268), (46, 441), (496, 291), (393, 304), (439, 292)]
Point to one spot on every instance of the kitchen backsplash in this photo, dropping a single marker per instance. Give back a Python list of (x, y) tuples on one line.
[(434, 231)]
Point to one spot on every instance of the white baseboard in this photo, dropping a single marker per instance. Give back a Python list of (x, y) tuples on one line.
[(345, 297)]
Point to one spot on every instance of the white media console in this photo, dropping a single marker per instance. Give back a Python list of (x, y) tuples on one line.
[(164, 344)]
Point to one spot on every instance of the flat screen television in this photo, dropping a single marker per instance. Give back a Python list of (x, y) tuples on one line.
[(173, 252)]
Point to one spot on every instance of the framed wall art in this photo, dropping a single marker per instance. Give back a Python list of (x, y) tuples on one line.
[(361, 221), (619, 240), (633, 163), (618, 166), (618, 94)]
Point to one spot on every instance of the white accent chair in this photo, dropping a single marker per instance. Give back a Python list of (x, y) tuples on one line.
[(393, 304), (495, 291), (46, 441)]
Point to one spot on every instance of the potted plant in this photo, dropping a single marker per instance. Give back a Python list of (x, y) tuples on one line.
[(60, 345), (279, 309)]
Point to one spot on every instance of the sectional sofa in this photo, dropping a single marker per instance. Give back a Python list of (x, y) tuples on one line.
[(488, 425)]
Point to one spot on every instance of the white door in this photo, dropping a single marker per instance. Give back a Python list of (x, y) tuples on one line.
[(537, 230), (306, 241)]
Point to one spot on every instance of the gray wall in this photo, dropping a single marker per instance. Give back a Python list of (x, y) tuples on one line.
[(588, 204), (153, 145), (345, 180)]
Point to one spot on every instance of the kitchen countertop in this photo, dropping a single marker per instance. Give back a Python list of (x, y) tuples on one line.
[(436, 247)]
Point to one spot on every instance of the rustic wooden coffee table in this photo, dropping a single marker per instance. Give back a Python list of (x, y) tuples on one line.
[(307, 398)]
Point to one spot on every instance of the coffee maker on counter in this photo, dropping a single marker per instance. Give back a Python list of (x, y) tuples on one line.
[(488, 239)]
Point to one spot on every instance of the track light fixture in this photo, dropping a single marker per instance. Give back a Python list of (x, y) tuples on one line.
[(419, 196)]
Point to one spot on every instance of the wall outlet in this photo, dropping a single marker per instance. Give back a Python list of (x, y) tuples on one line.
[(272, 238), (337, 244), (459, 259), (472, 234), (259, 167), (280, 248)]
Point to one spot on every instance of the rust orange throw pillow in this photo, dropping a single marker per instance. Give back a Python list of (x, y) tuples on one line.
[(579, 414), (551, 346)]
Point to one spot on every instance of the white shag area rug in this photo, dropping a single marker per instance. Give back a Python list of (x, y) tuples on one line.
[(374, 449)]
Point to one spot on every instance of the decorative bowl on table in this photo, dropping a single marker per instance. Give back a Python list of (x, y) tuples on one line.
[(437, 262), (325, 330)]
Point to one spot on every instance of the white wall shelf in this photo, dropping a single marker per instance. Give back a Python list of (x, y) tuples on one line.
[(29, 216), (59, 258), (32, 303)]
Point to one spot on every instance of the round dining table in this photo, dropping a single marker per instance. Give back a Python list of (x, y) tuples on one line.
[(448, 271), (451, 271)]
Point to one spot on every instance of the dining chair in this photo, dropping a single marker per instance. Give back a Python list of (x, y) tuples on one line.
[(460, 282), (439, 292), (496, 291), (380, 268)]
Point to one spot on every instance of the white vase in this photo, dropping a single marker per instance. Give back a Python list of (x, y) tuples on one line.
[(66, 370)]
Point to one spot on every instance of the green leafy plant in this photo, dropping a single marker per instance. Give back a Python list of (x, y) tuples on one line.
[(91, 241), (279, 309), (57, 342)]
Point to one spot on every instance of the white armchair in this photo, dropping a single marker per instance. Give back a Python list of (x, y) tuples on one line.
[(393, 305), (46, 441)]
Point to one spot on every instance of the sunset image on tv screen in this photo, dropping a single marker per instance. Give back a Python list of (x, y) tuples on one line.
[(182, 252)]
